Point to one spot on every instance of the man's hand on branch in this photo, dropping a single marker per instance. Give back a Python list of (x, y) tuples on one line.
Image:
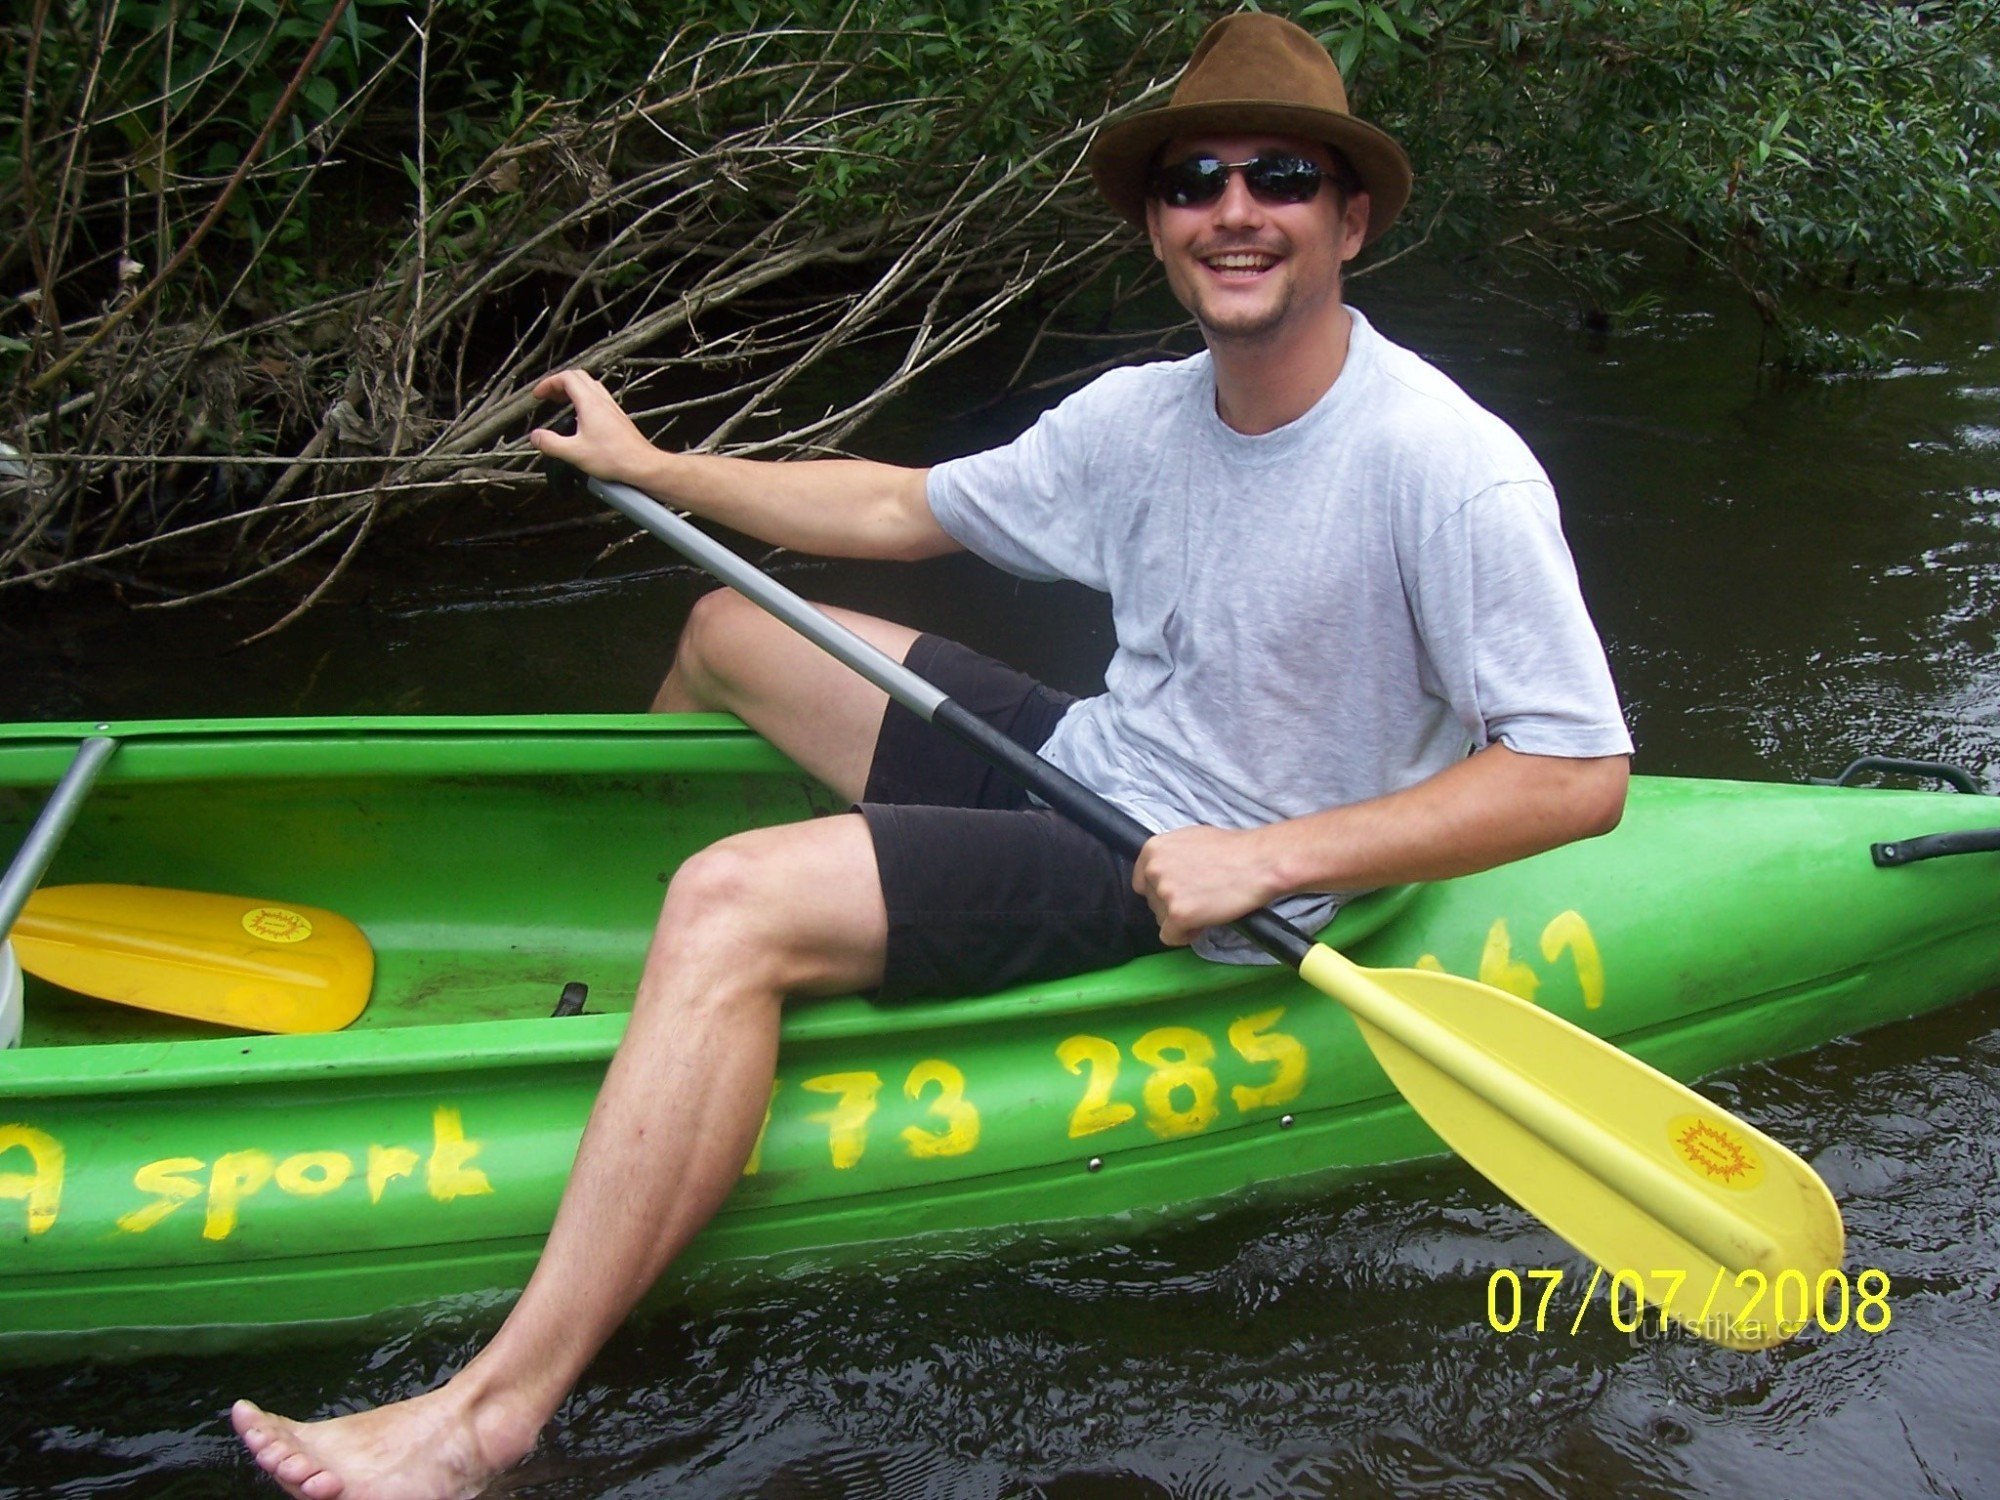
[(606, 443)]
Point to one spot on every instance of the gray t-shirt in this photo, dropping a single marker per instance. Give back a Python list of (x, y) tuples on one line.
[(1307, 618)]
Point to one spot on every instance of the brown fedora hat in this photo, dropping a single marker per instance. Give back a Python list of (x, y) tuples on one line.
[(1260, 74)]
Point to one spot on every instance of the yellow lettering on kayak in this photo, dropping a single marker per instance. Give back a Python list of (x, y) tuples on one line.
[(1499, 968), (169, 1182), (1568, 930), (961, 1132), (385, 1165), (847, 1122), (1255, 1042), (1179, 1056), (1095, 1111), (447, 1175), (41, 1189), (235, 1176), (310, 1173)]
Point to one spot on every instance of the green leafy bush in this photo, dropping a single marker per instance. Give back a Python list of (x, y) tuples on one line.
[(1789, 144), (344, 264)]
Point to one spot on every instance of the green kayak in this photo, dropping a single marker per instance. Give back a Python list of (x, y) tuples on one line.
[(166, 1182)]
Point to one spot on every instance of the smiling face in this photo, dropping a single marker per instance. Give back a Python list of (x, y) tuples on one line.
[(1252, 271)]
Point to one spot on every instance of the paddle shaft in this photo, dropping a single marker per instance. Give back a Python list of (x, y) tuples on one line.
[(40, 846), (1117, 828)]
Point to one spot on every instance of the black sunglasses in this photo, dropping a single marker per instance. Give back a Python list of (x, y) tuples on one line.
[(1273, 177)]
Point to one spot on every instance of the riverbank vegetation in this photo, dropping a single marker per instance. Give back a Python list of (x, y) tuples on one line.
[(287, 267)]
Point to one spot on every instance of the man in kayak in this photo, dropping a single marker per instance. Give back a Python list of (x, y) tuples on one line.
[(1351, 652)]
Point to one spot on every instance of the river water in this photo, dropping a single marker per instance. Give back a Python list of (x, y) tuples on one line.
[(1786, 578)]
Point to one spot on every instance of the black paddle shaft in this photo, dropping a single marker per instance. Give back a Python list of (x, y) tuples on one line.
[(1068, 796)]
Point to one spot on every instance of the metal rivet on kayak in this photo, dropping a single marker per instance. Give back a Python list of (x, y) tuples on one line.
[(1285, 1122), (1095, 1164)]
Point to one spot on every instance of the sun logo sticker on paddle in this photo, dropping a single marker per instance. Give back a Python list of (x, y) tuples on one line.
[(277, 924), (1715, 1151)]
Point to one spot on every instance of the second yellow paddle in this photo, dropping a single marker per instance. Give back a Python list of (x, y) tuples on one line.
[(235, 961), (1638, 1172)]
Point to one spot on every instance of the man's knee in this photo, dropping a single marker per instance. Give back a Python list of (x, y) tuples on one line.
[(720, 891), (710, 652), (792, 909)]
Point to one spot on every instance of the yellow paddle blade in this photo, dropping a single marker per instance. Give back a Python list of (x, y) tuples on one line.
[(1724, 1228), (258, 965)]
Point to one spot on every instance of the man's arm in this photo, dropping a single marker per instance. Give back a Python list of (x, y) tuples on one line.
[(1486, 810), (828, 507)]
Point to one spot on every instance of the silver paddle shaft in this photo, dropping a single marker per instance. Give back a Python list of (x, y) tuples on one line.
[(888, 674), (33, 857)]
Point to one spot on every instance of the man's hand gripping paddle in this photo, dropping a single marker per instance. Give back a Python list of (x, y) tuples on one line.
[(1633, 1169)]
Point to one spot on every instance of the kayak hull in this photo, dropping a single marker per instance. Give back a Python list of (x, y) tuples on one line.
[(165, 1183)]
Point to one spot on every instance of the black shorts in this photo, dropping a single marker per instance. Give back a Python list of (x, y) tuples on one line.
[(984, 889)]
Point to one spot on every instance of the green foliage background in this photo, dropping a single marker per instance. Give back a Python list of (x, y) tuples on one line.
[(994, 78), (1808, 151), (1790, 142)]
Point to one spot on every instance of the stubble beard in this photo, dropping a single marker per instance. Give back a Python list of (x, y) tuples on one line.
[(1291, 309), (1253, 329), (1294, 306)]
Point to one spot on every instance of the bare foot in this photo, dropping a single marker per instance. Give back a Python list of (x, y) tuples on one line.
[(432, 1447)]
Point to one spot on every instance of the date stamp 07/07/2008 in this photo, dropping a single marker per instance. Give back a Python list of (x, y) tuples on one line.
[(1636, 1302)]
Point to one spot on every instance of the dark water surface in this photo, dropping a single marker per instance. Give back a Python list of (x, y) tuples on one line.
[(1786, 579)]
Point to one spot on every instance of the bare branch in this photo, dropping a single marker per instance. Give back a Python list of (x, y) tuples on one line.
[(714, 259)]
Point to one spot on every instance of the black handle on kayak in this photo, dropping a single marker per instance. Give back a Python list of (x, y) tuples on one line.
[(1956, 777), (1936, 846)]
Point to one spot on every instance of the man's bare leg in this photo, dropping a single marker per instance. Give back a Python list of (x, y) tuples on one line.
[(734, 658), (756, 917)]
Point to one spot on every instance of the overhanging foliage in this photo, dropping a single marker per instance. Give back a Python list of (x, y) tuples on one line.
[(288, 266)]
